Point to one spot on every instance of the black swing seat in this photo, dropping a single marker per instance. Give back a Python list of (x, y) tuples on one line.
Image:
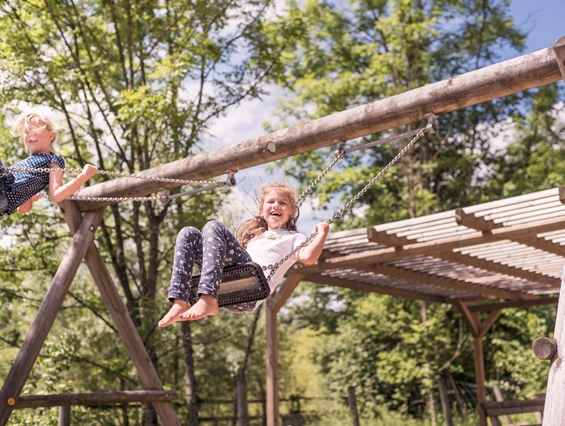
[(240, 284)]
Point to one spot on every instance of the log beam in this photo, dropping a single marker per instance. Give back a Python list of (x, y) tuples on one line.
[(96, 398), (482, 85)]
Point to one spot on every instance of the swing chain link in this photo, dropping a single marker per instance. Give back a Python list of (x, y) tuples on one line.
[(341, 212), (163, 198), (11, 170), (338, 156)]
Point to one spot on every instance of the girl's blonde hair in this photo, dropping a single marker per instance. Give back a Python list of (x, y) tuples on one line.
[(251, 228), (32, 123)]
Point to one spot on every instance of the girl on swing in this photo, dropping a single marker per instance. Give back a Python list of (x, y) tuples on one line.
[(265, 239), (23, 188)]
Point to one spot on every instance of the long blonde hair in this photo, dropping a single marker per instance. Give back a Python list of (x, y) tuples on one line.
[(255, 226), (32, 122)]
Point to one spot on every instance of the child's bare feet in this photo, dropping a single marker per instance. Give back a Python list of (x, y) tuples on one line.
[(205, 307), (173, 315)]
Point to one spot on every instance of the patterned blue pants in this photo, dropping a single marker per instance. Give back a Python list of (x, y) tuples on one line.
[(211, 250)]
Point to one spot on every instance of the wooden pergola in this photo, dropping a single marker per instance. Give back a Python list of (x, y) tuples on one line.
[(484, 258), (375, 259)]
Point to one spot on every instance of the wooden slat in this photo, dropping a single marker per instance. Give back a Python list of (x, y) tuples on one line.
[(383, 238), (454, 284), (448, 244), (374, 288)]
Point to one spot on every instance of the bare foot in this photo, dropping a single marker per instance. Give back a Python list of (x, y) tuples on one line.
[(173, 315), (205, 307)]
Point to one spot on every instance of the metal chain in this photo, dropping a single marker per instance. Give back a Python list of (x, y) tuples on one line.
[(341, 211), (339, 155), (115, 174)]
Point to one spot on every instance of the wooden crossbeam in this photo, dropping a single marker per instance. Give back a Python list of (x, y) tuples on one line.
[(482, 85), (374, 288), (431, 247), (95, 398), (513, 304), (283, 291), (450, 283)]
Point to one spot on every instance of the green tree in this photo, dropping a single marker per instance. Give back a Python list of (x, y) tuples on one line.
[(132, 85)]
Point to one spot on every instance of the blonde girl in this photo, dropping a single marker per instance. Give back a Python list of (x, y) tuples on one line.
[(265, 239), (22, 188)]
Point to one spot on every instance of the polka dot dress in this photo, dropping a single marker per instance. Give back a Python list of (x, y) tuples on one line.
[(22, 186)]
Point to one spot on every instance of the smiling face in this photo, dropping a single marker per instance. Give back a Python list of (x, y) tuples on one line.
[(276, 209)]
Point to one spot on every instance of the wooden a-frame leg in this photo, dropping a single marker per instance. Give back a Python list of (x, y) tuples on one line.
[(46, 314), (124, 324)]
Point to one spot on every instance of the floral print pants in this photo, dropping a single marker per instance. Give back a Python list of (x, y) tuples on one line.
[(211, 250)]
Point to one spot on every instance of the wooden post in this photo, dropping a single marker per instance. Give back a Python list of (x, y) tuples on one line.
[(554, 408), (352, 399), (64, 416), (272, 368), (241, 402), (445, 405), (46, 315), (123, 322), (473, 322), (480, 378), (498, 397)]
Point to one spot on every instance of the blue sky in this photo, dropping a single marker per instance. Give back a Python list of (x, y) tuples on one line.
[(541, 19)]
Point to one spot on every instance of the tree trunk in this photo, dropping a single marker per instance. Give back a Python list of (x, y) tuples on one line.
[(189, 377)]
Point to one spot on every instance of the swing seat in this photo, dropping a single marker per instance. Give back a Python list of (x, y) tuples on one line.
[(240, 284)]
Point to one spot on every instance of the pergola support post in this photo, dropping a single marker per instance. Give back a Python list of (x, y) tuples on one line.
[(29, 351), (274, 304), (272, 367), (478, 330), (554, 408)]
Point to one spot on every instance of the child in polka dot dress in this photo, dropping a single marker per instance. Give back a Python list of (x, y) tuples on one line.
[(264, 239), (23, 188)]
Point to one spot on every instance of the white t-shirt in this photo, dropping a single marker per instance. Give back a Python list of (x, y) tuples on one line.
[(270, 247)]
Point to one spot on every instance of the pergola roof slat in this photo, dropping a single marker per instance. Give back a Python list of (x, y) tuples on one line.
[(508, 249)]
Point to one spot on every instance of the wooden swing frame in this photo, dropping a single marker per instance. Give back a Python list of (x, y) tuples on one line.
[(509, 77)]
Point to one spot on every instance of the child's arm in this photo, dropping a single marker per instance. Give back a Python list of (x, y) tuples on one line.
[(26, 207), (310, 254), (59, 192)]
